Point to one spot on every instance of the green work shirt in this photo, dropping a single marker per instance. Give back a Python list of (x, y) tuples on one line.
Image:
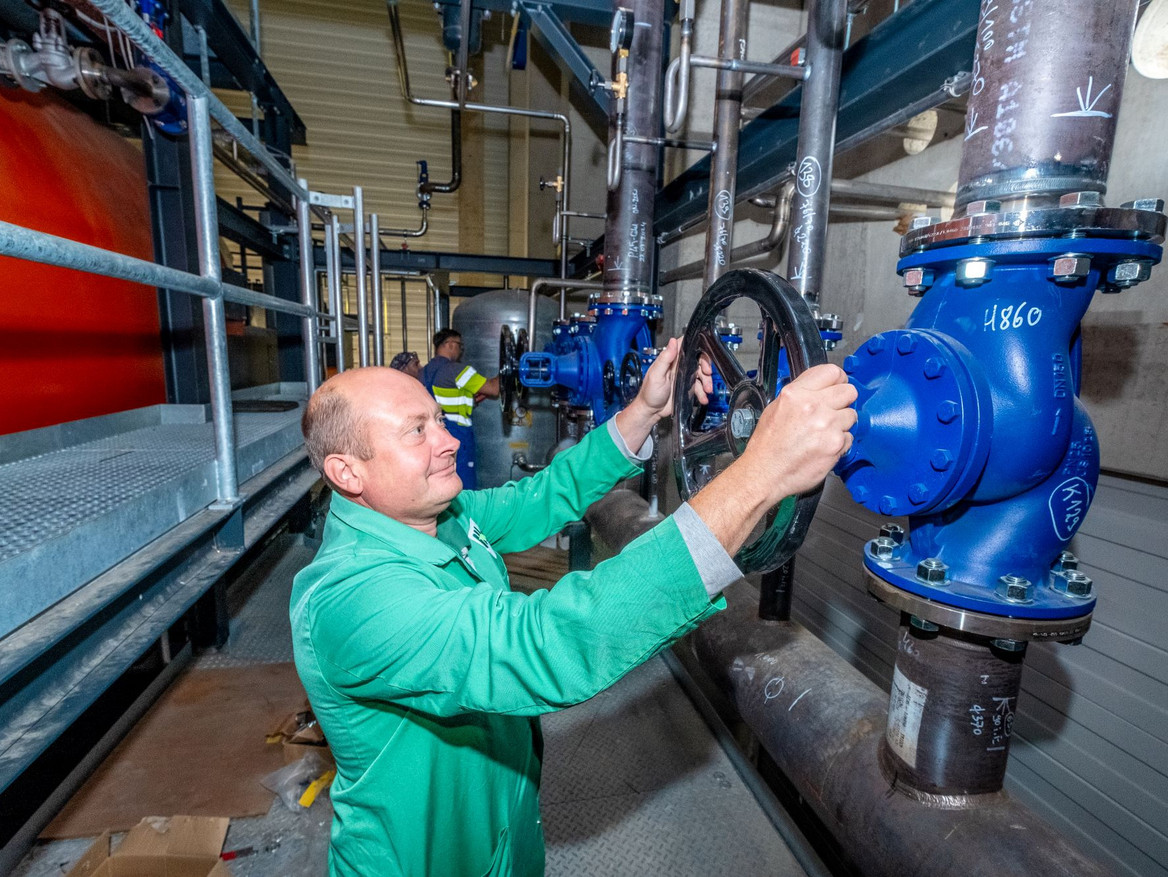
[(427, 671)]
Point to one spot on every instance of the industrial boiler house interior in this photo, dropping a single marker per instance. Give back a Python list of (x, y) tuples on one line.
[(583, 438)]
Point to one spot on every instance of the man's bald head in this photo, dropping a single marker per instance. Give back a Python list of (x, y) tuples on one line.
[(334, 421)]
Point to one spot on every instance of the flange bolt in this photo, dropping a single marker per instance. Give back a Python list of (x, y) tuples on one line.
[(1127, 274), (1156, 205), (1015, 589), (933, 571), (1072, 583), (895, 532), (883, 548), (918, 280), (1081, 199), (1065, 560), (974, 272), (1069, 268)]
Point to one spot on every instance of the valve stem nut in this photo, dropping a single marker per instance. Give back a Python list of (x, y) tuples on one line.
[(883, 547), (1069, 268), (974, 272), (1072, 583), (933, 571), (1015, 589), (918, 280), (895, 532)]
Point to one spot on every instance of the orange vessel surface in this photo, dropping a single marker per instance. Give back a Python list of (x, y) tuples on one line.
[(73, 345)]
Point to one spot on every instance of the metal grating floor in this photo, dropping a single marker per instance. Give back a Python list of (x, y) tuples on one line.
[(634, 782)]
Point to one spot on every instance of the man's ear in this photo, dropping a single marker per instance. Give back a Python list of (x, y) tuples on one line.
[(342, 473)]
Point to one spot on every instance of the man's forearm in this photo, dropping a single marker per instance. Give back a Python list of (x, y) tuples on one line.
[(635, 422), (732, 504)]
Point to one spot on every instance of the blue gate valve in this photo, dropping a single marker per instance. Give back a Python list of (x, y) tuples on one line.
[(597, 360), (969, 417)]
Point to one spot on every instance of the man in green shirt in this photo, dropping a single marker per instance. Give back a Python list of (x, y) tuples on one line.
[(428, 673)]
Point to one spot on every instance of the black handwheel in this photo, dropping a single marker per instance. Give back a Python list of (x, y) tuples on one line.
[(703, 446), (508, 370), (521, 392)]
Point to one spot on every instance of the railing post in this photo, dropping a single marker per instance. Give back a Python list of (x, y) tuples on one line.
[(359, 267), (378, 305), (310, 327), (214, 318)]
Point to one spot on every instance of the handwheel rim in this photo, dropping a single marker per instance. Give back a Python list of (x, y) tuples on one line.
[(789, 324)]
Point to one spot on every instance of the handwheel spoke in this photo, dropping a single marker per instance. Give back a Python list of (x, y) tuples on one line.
[(721, 358), (768, 359), (702, 446)]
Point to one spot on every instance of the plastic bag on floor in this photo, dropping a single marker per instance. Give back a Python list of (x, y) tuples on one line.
[(298, 784)]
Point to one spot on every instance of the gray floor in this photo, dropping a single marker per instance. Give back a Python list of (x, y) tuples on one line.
[(634, 782)]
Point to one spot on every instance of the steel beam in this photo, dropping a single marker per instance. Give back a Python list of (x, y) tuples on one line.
[(594, 12), (905, 58), (234, 50), (553, 35), (237, 226), (423, 262)]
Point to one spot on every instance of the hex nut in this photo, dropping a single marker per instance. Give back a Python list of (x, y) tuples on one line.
[(883, 547), (918, 280), (1156, 205), (933, 571), (1008, 645), (1129, 273), (919, 493), (1072, 583), (974, 272), (876, 344), (1081, 199), (948, 411), (1015, 589), (888, 505), (941, 459), (895, 532), (1065, 560), (1069, 268), (851, 364), (986, 206), (921, 222), (906, 344), (934, 367), (922, 625)]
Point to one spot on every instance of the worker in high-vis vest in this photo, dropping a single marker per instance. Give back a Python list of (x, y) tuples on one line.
[(428, 673), (458, 388)]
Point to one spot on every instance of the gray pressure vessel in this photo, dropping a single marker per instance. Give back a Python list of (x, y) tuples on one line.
[(528, 430)]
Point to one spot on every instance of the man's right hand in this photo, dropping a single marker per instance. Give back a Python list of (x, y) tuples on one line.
[(797, 440)]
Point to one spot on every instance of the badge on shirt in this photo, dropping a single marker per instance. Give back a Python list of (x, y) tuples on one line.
[(476, 534)]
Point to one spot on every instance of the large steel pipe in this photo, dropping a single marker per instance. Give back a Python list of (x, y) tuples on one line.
[(629, 248), (823, 723), (1044, 99)]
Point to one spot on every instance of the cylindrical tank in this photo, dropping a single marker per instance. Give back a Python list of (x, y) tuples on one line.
[(531, 433)]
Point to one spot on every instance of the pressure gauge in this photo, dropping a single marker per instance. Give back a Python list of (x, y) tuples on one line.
[(621, 36)]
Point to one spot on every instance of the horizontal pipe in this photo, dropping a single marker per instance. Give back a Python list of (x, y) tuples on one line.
[(552, 283), (821, 721), (673, 143), (128, 22), (47, 249), (761, 68)]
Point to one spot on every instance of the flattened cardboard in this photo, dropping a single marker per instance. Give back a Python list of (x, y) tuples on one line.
[(176, 846)]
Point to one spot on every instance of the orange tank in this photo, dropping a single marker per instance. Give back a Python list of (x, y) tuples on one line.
[(73, 345)]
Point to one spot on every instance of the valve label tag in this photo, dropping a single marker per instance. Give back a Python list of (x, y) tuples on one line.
[(906, 705), (1068, 504)]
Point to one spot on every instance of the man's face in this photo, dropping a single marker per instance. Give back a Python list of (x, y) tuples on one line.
[(411, 476), (452, 349)]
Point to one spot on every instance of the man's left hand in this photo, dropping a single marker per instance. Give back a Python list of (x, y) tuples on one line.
[(655, 398)]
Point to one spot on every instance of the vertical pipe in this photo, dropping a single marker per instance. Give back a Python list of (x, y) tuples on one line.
[(628, 232), (359, 268), (1043, 108), (336, 301), (378, 304), (817, 114), (214, 318), (310, 327), (724, 161), (405, 327)]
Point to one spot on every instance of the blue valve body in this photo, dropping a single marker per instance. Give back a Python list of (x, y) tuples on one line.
[(970, 423), (585, 357)]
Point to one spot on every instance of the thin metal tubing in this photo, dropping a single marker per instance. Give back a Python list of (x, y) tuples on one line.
[(35, 246), (214, 316), (309, 328), (405, 316), (359, 267), (724, 163), (403, 75), (886, 194), (464, 13), (333, 279), (584, 215), (675, 101), (409, 232), (123, 17), (672, 142), (552, 283), (378, 305), (760, 68), (816, 145), (776, 239)]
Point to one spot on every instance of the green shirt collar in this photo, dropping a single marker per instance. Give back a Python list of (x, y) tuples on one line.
[(404, 539)]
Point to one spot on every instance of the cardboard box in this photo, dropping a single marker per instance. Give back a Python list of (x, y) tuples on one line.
[(176, 846), (300, 734)]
